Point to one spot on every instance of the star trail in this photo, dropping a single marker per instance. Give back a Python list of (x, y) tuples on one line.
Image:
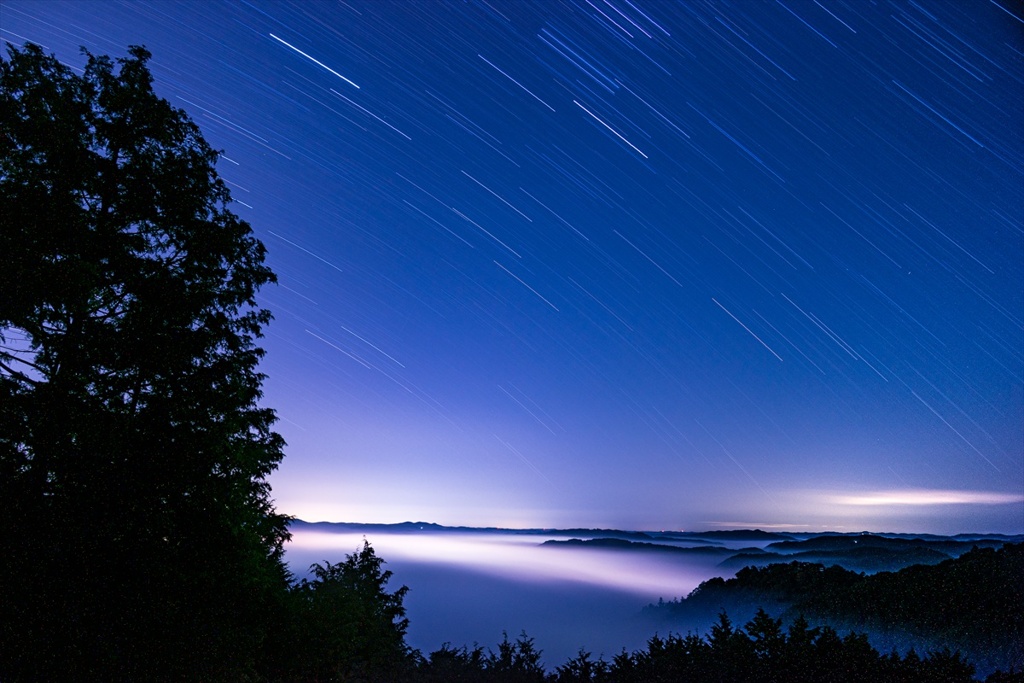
[(620, 263)]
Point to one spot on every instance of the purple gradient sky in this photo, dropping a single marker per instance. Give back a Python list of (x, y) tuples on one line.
[(620, 263)]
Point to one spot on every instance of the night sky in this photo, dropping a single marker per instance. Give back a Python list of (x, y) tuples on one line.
[(620, 263)]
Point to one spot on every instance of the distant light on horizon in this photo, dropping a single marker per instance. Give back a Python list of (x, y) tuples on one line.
[(942, 511)]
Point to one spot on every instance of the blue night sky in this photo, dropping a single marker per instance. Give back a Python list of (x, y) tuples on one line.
[(620, 263)]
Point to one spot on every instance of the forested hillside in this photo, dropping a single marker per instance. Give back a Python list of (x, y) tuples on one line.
[(971, 603)]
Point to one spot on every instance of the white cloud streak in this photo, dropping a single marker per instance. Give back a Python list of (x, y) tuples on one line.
[(923, 497)]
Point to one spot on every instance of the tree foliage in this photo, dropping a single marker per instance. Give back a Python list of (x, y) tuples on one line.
[(970, 603), (346, 625), (133, 452), (762, 651)]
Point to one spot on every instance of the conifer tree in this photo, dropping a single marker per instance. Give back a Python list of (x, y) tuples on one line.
[(142, 541)]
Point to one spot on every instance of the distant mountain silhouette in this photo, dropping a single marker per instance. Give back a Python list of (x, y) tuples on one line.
[(732, 535), (863, 559), (858, 552), (420, 527), (635, 546), (944, 545)]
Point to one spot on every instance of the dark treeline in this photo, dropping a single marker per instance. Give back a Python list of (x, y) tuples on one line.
[(760, 652), (143, 544), (971, 603)]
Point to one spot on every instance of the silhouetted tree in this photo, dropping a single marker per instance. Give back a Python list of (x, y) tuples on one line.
[(347, 625), (943, 665), (142, 542), (582, 669), (732, 652), (517, 662), (767, 636), (797, 659), (452, 665)]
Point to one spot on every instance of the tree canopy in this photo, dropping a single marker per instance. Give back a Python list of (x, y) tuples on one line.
[(346, 625), (133, 450)]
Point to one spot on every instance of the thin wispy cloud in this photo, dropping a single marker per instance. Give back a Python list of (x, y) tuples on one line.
[(923, 497)]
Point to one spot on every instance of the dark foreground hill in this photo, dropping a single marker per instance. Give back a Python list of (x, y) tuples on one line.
[(971, 603)]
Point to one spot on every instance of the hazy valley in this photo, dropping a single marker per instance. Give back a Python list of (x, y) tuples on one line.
[(599, 589)]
